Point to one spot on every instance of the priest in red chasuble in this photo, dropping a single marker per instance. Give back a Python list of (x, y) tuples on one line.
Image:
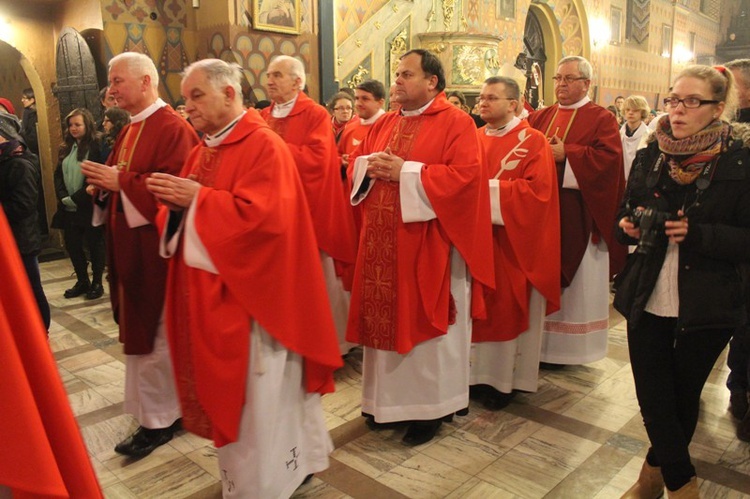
[(249, 324), (426, 235), (526, 229), (369, 98), (305, 126), (156, 140), (588, 153)]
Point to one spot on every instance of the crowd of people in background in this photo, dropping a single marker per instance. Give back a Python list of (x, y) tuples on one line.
[(447, 304)]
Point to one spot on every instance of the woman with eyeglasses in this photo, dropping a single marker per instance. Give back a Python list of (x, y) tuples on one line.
[(687, 206), (342, 111)]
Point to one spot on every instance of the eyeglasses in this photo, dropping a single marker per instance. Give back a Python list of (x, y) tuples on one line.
[(688, 102), (567, 79), (343, 109), (492, 98)]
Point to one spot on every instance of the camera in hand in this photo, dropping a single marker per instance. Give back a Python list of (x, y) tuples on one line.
[(651, 222)]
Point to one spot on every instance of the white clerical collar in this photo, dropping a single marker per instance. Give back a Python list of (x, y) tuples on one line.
[(215, 140), (158, 104), (416, 112), (283, 110), (578, 104), (503, 130), (372, 119)]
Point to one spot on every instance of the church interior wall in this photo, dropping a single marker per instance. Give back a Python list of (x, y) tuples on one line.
[(161, 30), (236, 40), (622, 67)]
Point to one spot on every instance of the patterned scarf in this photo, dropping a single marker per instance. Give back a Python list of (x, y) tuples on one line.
[(687, 157)]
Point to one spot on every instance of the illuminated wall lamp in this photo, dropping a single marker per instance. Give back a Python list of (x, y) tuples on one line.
[(601, 33)]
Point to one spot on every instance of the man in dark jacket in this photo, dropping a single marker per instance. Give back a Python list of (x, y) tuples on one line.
[(738, 359), (19, 189)]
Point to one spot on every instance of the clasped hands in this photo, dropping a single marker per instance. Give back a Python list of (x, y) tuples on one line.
[(558, 148), (384, 166), (104, 177), (176, 193), (676, 230)]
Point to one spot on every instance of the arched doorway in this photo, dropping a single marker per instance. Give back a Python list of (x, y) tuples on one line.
[(542, 49), (77, 83), (533, 63)]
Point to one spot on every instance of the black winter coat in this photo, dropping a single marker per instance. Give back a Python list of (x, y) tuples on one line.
[(19, 191), (718, 241)]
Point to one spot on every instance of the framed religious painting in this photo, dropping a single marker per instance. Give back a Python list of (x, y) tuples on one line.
[(505, 9), (280, 16)]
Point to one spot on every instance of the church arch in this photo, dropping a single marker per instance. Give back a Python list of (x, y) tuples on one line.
[(545, 18)]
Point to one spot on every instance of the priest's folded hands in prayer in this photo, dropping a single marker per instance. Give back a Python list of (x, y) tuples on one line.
[(175, 192), (102, 176), (558, 148), (384, 165)]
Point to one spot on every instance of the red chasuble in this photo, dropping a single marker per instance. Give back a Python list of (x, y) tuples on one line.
[(401, 293), (42, 453), (594, 150), (527, 247), (160, 143), (353, 135), (307, 132), (251, 216)]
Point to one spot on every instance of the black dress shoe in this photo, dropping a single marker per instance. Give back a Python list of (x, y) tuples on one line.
[(551, 367), (374, 425), (420, 432), (477, 392), (495, 400), (144, 440), (78, 289), (95, 291)]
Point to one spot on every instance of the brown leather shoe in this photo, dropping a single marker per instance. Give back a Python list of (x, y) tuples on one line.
[(687, 491), (650, 484)]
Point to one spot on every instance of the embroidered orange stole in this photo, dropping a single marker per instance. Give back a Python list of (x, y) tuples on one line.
[(382, 215), (124, 158), (559, 127)]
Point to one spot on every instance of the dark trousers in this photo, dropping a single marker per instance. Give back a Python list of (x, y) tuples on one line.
[(93, 237), (738, 361), (31, 264), (669, 372)]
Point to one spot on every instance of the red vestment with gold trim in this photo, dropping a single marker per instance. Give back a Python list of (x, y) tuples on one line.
[(137, 273), (594, 150)]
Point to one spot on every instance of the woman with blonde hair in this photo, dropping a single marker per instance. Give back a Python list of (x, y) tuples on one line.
[(687, 206), (634, 130)]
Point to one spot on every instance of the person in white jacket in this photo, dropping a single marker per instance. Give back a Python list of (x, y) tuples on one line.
[(634, 131)]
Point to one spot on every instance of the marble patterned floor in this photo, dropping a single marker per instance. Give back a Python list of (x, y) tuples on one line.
[(579, 436)]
